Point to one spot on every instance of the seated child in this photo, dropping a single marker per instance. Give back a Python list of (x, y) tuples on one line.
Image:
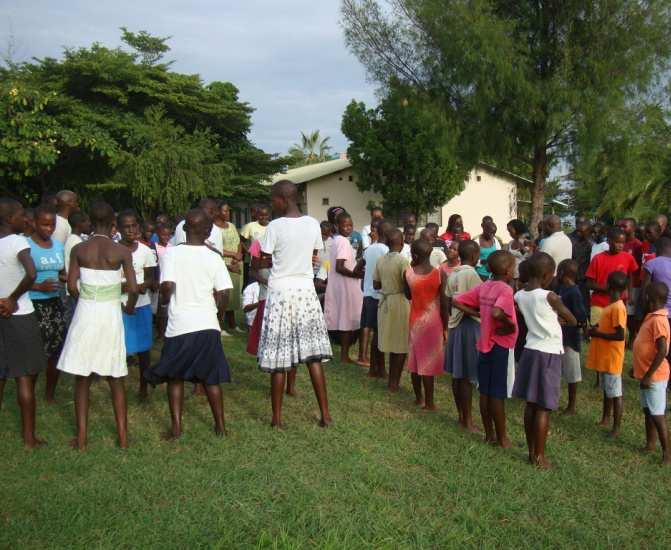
[(606, 351), (538, 379), (572, 298), (651, 367), (461, 353), (425, 288), (493, 302)]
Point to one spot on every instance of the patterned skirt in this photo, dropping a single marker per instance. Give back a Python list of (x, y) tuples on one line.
[(51, 317), (293, 331)]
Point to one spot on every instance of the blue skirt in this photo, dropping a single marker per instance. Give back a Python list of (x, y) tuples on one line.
[(461, 353), (138, 330), (193, 357)]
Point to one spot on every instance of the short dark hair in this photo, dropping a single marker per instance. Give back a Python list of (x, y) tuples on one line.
[(76, 218), (540, 264), (8, 208), (127, 213), (618, 281), (615, 233), (499, 261), (658, 290), (467, 249), (421, 248), (44, 209), (101, 213), (663, 244), (519, 226)]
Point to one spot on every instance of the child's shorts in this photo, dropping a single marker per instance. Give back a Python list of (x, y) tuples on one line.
[(570, 366), (369, 313), (611, 384), (493, 372), (654, 398)]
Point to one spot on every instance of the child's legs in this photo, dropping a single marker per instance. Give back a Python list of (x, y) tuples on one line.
[(345, 342), (229, 318), (487, 421), (176, 404), (52, 379), (82, 390), (363, 345), (319, 385), (653, 400), (429, 383), (650, 431), (25, 396), (291, 381), (456, 393), (618, 405), (497, 409), (465, 402), (396, 361), (498, 391), (120, 410), (612, 387), (541, 425), (277, 380), (215, 398), (663, 433), (144, 359), (485, 379), (417, 387), (376, 358), (529, 417), (571, 372)]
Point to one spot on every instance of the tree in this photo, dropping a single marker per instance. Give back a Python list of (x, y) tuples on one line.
[(150, 48), (311, 150), (405, 150), (528, 82)]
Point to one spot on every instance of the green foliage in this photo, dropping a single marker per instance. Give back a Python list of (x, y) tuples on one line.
[(130, 130), (150, 48), (311, 150), (405, 150), (529, 82)]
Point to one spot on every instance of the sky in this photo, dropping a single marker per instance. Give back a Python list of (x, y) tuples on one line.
[(287, 58)]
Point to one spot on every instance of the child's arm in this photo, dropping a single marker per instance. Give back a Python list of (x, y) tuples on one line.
[(377, 285), (444, 300), (8, 305), (250, 307), (617, 336), (148, 280), (563, 312), (508, 327), (591, 284), (406, 288), (340, 268), (131, 283), (660, 344)]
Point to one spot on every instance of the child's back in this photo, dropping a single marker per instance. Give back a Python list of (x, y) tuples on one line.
[(99, 253), (544, 333)]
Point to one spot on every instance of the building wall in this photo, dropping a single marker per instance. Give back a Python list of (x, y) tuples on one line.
[(492, 195), (339, 190)]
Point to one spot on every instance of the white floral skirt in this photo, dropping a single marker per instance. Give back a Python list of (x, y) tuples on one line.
[(293, 332)]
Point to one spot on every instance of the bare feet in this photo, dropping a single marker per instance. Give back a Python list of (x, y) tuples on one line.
[(491, 440), (472, 428), (123, 442), (277, 426), (363, 363), (504, 443), (613, 434), (429, 407), (568, 412), (648, 449), (220, 432), (666, 460), (169, 435), (542, 464), (325, 422), (346, 361), (419, 402), (34, 443), (292, 392), (392, 389), (604, 422), (77, 445)]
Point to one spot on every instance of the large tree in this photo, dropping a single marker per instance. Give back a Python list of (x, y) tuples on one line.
[(528, 81), (405, 150), (123, 125)]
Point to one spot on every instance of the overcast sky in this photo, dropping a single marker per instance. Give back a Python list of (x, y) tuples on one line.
[(287, 58)]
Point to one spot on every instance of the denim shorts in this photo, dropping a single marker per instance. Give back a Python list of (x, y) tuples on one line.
[(493, 372), (654, 398), (611, 384)]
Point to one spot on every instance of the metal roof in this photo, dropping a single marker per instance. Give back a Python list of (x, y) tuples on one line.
[(312, 171)]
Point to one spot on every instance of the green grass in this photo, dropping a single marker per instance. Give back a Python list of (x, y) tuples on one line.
[(385, 475)]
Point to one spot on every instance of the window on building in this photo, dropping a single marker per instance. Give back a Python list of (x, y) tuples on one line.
[(478, 178), (325, 201), (351, 178)]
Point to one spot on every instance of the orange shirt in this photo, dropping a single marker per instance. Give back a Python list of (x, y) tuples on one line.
[(608, 355), (655, 325)]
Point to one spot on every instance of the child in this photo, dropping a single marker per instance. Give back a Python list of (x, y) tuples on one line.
[(393, 311), (48, 257), (652, 368), (425, 288), (294, 330), (437, 256), (138, 328), (148, 231), (461, 354), (488, 244), (538, 379), (250, 303), (371, 298), (163, 236), (606, 351), (572, 298), (21, 352), (343, 301), (195, 284), (493, 303), (95, 341), (81, 228), (452, 261), (602, 265), (409, 232)]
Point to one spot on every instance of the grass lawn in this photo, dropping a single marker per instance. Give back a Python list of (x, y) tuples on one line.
[(385, 475)]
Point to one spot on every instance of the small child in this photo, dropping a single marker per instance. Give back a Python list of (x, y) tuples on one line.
[(651, 367), (538, 379), (394, 309), (461, 353), (493, 302), (250, 303), (606, 351), (409, 232), (425, 288), (162, 242), (571, 297), (453, 261)]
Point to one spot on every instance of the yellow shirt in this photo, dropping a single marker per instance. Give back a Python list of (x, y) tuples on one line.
[(253, 231), (608, 355)]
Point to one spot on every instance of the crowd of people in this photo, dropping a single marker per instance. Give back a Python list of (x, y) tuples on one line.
[(88, 293)]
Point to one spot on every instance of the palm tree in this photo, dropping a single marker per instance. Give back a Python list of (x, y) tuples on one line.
[(312, 149)]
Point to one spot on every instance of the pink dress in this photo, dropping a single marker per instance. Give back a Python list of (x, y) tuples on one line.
[(426, 347), (344, 297)]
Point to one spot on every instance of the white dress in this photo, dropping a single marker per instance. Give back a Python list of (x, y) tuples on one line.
[(95, 341)]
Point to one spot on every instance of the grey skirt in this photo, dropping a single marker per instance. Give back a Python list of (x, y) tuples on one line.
[(461, 353), (21, 349), (538, 378)]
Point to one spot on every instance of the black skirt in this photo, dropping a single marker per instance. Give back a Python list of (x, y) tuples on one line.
[(193, 357), (21, 350)]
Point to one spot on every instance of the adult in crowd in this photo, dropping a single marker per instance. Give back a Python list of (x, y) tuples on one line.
[(67, 203), (256, 229), (519, 243), (663, 222), (376, 213), (581, 241), (556, 243), (215, 240), (455, 230), (233, 259)]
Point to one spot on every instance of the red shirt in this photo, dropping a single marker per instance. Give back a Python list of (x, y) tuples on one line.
[(603, 265), (635, 248), (448, 236)]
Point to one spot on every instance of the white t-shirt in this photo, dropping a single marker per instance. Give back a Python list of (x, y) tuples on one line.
[(216, 239), (196, 271), (365, 236), (544, 331), (598, 248), (291, 242), (72, 241), (63, 229), (12, 271), (559, 246), (250, 296), (372, 254), (142, 257), (437, 257), (406, 251)]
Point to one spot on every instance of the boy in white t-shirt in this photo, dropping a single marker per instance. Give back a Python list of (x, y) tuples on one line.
[(294, 329), (21, 351), (250, 303), (195, 284)]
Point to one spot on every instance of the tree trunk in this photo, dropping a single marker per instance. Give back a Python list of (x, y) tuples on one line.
[(538, 193)]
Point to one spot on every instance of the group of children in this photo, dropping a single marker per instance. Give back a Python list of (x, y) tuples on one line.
[(506, 323)]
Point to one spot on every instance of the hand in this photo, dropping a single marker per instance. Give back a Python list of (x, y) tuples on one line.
[(7, 307), (234, 267), (592, 331), (505, 330), (49, 285), (238, 257), (646, 382), (128, 310), (316, 262)]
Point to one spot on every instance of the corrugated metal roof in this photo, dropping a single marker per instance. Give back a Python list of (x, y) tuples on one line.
[(311, 171)]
